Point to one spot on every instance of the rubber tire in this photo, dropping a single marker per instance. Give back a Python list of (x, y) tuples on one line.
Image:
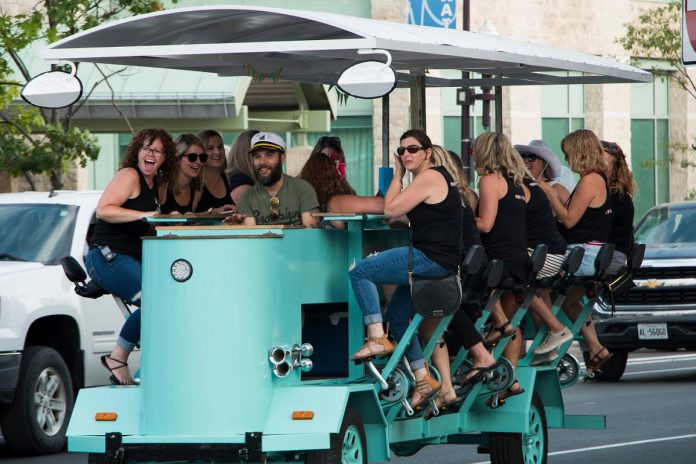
[(333, 455), (507, 448), (22, 433), (613, 369)]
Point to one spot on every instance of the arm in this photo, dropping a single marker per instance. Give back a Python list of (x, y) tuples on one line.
[(561, 192), (123, 186), (308, 220), (488, 202), (238, 192), (355, 204), (582, 198), (398, 202)]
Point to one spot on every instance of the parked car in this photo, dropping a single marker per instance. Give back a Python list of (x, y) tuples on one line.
[(660, 311), (50, 338)]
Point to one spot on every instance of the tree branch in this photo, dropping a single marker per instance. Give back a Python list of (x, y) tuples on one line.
[(21, 129), (113, 98)]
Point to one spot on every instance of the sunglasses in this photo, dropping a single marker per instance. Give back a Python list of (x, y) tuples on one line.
[(274, 203), (192, 157), (531, 157), (412, 149)]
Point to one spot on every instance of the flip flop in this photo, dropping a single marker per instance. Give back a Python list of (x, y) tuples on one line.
[(478, 377)]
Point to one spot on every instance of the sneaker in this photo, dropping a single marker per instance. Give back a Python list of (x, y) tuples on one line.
[(553, 340)]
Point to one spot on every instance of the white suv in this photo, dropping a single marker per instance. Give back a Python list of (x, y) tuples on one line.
[(50, 338)]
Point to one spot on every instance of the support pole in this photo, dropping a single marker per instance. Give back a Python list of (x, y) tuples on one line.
[(417, 87), (385, 131), (499, 109), (465, 129)]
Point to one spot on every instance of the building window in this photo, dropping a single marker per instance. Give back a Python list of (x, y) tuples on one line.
[(562, 112), (650, 143)]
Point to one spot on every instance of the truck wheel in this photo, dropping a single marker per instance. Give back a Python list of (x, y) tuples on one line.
[(613, 369), (36, 421), (523, 448), (349, 446)]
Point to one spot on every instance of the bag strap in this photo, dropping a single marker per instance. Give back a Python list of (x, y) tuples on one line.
[(461, 236)]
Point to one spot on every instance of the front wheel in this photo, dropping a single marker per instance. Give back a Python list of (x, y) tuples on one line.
[(523, 448), (36, 421), (349, 446)]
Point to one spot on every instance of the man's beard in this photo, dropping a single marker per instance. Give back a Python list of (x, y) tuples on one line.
[(272, 178)]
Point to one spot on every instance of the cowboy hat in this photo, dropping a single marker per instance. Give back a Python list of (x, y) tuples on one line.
[(540, 149)]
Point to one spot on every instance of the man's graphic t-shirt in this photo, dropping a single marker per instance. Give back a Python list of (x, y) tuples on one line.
[(296, 196)]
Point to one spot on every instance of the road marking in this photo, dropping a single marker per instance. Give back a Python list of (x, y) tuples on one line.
[(660, 370), (615, 445), (663, 359)]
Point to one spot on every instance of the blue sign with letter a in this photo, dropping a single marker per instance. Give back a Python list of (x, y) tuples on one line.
[(434, 13)]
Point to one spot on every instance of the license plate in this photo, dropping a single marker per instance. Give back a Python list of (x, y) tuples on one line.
[(652, 332)]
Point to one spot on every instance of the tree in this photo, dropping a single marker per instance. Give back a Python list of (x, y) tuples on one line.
[(39, 141), (657, 34)]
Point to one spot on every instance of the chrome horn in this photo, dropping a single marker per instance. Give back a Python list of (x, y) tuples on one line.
[(283, 369), (278, 354)]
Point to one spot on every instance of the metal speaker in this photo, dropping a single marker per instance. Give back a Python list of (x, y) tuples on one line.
[(277, 354), (282, 370)]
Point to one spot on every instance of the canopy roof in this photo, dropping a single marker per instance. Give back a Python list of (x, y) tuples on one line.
[(316, 47)]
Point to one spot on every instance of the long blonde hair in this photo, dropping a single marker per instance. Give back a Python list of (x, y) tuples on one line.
[(584, 152), (183, 143), (442, 158), (494, 154), (238, 157)]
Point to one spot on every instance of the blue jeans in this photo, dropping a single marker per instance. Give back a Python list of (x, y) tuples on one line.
[(122, 276), (587, 267), (391, 267)]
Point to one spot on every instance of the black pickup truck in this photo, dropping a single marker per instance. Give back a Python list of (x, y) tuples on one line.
[(660, 311)]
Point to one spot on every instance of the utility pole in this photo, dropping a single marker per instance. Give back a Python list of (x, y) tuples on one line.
[(464, 100)]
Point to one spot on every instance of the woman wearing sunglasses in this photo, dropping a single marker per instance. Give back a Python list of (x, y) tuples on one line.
[(216, 193), (325, 170), (182, 194), (113, 261), (433, 206), (543, 164), (585, 221), (623, 187)]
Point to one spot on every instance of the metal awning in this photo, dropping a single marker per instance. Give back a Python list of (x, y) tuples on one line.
[(315, 47)]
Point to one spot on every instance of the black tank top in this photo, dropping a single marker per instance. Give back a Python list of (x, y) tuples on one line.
[(171, 205), (208, 200), (540, 222), (621, 234), (470, 234), (595, 223), (125, 237), (507, 240), (437, 228)]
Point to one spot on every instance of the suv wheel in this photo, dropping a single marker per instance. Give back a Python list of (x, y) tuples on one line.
[(613, 369), (36, 421)]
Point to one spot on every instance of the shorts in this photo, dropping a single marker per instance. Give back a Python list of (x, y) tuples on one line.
[(552, 265)]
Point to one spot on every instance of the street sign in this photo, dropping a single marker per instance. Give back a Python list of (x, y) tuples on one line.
[(434, 13)]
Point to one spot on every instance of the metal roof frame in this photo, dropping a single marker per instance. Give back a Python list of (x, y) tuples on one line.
[(316, 47)]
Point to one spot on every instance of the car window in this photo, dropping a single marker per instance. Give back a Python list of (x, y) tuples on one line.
[(36, 232), (667, 225)]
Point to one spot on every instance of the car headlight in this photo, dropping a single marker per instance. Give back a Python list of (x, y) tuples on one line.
[(181, 270)]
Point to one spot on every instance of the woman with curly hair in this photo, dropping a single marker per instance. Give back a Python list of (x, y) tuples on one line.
[(113, 260), (585, 221), (502, 221), (622, 186), (181, 195), (240, 174), (325, 170)]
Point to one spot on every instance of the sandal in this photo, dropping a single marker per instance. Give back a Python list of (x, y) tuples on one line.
[(479, 375), (498, 333), (114, 380), (595, 363), (427, 388), (502, 396), (369, 353), (442, 403)]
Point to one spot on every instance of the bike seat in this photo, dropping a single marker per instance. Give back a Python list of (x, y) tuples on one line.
[(90, 290), (77, 275)]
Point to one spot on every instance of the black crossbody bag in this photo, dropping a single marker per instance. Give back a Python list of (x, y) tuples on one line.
[(436, 296)]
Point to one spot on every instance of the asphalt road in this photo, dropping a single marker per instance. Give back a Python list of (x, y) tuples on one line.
[(651, 418)]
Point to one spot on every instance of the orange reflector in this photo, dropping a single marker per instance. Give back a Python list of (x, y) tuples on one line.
[(105, 416), (302, 415)]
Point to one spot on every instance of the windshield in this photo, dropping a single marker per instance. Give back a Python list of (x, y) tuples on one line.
[(667, 225), (36, 232)]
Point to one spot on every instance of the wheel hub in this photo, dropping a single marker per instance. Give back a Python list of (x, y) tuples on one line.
[(352, 447), (50, 401)]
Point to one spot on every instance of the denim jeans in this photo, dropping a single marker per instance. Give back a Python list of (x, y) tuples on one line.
[(587, 267), (122, 277), (391, 267)]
